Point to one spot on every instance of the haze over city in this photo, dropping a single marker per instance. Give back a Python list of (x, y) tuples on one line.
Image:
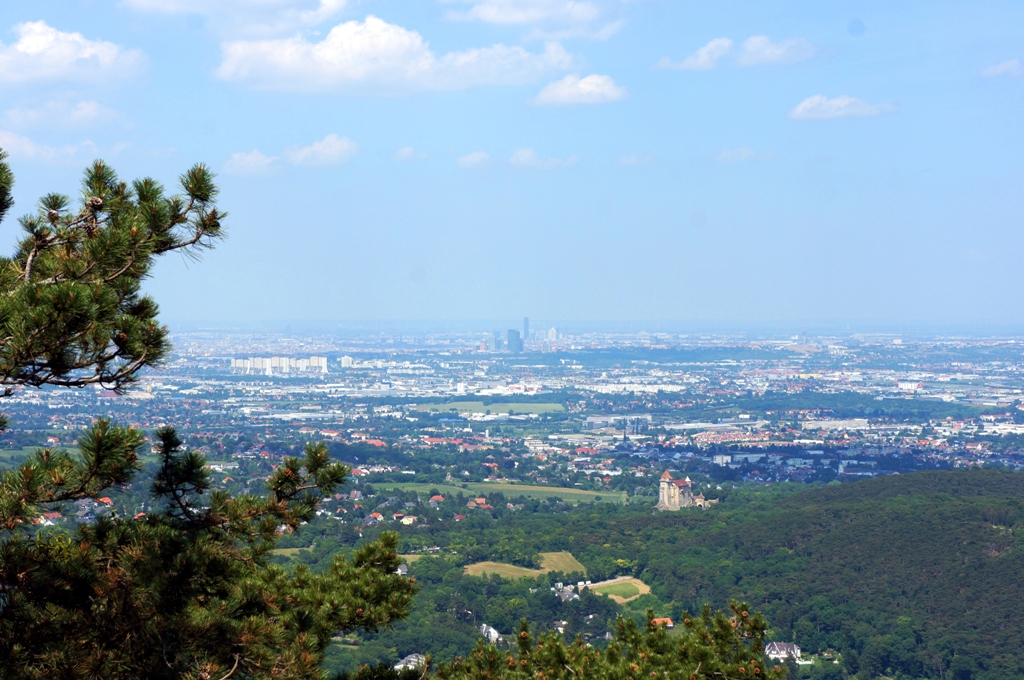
[(841, 164)]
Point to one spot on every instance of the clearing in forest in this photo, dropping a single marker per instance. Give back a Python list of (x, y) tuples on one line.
[(571, 496), (288, 552), (561, 561), (501, 569), (550, 561), (623, 589)]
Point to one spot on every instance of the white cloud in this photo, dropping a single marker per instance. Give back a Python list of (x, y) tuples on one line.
[(525, 158), (552, 19), (250, 16), (1011, 68), (703, 59), (44, 53), (324, 11), (758, 49), (251, 163), (737, 155), (529, 11), (374, 52), (59, 112), (528, 158), (594, 89), (820, 107), (407, 153), (330, 149), (21, 147), (473, 160), (327, 151), (633, 159), (602, 32)]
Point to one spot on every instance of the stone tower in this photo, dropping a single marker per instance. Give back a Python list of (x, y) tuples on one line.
[(675, 494)]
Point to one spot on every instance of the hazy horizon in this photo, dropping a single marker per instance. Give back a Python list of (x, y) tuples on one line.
[(776, 164), (774, 330)]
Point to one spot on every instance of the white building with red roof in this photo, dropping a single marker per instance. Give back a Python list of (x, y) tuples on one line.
[(675, 494)]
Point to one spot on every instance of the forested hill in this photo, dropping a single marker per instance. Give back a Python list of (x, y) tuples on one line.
[(919, 574), (909, 576), (908, 573)]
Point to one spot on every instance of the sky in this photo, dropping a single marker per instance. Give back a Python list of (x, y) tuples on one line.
[(722, 162)]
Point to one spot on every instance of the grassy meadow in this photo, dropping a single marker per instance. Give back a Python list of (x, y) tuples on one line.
[(572, 496), (550, 561), (623, 589)]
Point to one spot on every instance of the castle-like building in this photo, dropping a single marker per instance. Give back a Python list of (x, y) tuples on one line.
[(675, 494)]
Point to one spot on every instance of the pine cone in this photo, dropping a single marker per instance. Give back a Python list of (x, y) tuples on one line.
[(94, 203)]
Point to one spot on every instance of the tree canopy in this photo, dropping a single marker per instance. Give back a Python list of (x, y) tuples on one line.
[(71, 310)]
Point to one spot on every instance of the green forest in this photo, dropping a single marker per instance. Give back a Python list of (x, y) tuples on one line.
[(910, 576)]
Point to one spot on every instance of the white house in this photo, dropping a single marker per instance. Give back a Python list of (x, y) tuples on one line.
[(780, 651), (413, 661), (490, 634)]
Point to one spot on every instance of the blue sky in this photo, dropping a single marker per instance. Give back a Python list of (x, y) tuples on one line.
[(726, 162)]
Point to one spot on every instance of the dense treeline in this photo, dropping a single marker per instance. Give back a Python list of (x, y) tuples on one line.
[(915, 576), (920, 574)]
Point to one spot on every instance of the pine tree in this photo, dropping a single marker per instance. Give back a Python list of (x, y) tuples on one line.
[(710, 646), (185, 591)]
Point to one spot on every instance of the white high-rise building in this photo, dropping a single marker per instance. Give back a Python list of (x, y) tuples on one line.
[(280, 365), (346, 362)]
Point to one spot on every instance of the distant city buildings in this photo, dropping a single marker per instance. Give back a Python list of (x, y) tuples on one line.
[(279, 365), (732, 418), (515, 341)]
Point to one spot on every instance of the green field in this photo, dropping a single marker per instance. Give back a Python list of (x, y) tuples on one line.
[(623, 590), (410, 558), (572, 496), (561, 561), (550, 561), (501, 569), (496, 407), (7, 456), (287, 552)]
